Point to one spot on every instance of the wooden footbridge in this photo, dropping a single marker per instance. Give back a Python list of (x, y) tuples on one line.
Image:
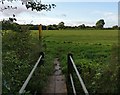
[(57, 82)]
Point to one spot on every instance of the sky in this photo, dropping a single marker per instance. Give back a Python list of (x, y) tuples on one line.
[(71, 13)]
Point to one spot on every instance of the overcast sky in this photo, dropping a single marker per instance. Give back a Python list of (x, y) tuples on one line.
[(72, 13)]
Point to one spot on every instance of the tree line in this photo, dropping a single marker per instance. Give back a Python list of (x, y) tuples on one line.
[(10, 25)]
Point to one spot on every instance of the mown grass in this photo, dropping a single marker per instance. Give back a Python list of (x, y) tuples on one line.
[(82, 36), (92, 52)]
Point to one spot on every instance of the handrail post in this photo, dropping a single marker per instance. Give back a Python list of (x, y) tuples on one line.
[(69, 71), (69, 63), (42, 59), (41, 53)]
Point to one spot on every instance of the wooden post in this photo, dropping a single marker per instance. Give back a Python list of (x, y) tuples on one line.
[(40, 37), (40, 31)]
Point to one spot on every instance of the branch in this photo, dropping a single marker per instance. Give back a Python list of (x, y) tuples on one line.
[(31, 4)]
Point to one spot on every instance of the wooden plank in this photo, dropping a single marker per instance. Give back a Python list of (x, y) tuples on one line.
[(57, 84)]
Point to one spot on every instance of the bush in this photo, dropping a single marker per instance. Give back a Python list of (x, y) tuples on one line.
[(16, 57)]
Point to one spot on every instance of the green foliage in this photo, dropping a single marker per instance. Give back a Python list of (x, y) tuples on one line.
[(81, 26), (38, 6), (16, 59), (61, 25), (100, 24), (52, 27), (115, 27), (10, 25), (34, 5), (19, 55)]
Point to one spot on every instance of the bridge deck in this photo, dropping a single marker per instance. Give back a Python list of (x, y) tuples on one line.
[(57, 84)]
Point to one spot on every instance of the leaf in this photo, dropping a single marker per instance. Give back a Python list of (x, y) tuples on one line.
[(13, 15)]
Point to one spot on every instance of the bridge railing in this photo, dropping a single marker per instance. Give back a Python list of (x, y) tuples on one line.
[(22, 90), (71, 67)]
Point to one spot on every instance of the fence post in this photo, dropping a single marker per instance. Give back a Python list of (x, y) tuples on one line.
[(69, 71), (42, 59), (41, 53), (69, 63)]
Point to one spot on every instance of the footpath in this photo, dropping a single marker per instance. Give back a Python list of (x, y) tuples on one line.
[(57, 84)]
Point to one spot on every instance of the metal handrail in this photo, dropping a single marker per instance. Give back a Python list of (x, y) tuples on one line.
[(71, 78), (78, 75), (29, 76)]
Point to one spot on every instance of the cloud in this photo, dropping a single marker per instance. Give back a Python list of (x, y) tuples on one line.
[(22, 13), (43, 20), (111, 18), (63, 15), (77, 23), (80, 1), (8, 12), (106, 14)]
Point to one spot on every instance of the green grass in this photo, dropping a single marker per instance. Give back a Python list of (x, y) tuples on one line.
[(91, 49), (84, 44), (82, 36)]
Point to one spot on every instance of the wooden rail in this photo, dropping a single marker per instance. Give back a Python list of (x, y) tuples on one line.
[(22, 90), (71, 67)]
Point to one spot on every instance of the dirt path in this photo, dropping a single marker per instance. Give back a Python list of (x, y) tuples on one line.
[(57, 84)]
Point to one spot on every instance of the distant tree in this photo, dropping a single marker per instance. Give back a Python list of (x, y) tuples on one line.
[(61, 25), (115, 27), (81, 26), (50, 27), (100, 24), (55, 27)]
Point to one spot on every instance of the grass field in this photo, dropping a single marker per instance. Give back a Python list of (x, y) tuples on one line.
[(91, 49), (82, 36)]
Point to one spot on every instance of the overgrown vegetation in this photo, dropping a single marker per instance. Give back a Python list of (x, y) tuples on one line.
[(95, 53), (19, 55)]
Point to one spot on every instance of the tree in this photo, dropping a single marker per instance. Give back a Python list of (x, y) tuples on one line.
[(61, 25), (82, 26), (100, 24), (115, 27)]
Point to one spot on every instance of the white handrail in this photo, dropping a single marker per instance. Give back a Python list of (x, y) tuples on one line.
[(80, 79), (73, 86), (29, 77)]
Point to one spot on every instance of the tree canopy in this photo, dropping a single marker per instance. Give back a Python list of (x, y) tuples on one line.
[(100, 23), (61, 25), (30, 4)]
